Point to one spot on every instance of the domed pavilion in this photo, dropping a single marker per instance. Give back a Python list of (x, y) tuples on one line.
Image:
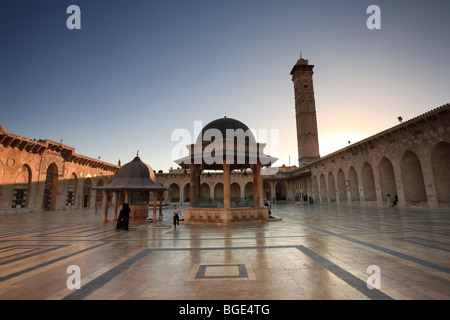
[(132, 184), (225, 144)]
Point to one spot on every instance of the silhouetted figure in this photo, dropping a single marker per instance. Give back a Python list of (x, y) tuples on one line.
[(124, 217)]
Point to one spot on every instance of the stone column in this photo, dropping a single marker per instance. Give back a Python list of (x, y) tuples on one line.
[(116, 203), (105, 207), (260, 186), (226, 185), (257, 186), (192, 185)]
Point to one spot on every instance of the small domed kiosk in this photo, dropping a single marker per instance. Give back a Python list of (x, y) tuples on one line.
[(225, 144), (132, 184)]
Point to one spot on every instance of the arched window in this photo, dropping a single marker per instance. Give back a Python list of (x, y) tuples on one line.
[(22, 188)]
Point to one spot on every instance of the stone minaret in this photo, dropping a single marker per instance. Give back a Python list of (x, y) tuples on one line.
[(305, 112)]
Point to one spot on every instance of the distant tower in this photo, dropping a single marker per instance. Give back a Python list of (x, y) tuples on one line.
[(305, 112)]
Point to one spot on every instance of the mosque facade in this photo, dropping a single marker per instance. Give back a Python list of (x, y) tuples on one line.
[(409, 162)]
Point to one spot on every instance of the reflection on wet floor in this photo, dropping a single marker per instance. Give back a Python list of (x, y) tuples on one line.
[(315, 252)]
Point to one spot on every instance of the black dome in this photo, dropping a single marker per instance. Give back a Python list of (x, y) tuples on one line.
[(134, 175), (223, 124)]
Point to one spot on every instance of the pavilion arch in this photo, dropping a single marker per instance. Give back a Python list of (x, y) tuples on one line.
[(440, 162), (315, 186), (413, 183), (50, 187), (281, 191), (368, 182), (22, 188), (323, 188), (331, 187), (248, 190), (218, 191), (205, 191), (387, 178), (174, 193), (235, 191), (354, 185), (341, 185)]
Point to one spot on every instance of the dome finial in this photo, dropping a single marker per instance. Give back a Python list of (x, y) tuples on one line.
[(137, 154)]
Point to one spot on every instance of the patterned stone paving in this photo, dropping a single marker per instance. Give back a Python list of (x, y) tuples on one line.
[(315, 252)]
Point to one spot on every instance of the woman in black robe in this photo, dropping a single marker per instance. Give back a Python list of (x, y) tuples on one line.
[(124, 217)]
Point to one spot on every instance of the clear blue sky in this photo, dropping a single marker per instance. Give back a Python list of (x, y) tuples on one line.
[(138, 70)]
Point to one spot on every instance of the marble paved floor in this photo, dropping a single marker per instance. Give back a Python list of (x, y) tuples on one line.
[(315, 252)]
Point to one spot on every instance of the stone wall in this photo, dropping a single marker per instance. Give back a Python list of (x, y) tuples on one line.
[(37, 175)]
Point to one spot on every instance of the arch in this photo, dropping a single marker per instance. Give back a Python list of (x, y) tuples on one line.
[(187, 192), (368, 182), (87, 187), (323, 188), (174, 193), (71, 191), (50, 188), (440, 162), (218, 191), (248, 190), (98, 195), (205, 191), (331, 187), (22, 188), (341, 185), (315, 186), (280, 191), (354, 185), (235, 191), (413, 183), (387, 178)]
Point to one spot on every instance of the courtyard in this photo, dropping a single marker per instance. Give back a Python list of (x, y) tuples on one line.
[(315, 252)]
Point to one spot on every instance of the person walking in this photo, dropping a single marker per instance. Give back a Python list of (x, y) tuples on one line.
[(176, 213), (389, 200)]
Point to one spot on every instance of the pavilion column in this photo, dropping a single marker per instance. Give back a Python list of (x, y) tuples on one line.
[(126, 196), (226, 185), (257, 186), (198, 172), (192, 186), (105, 207), (116, 203), (260, 185)]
